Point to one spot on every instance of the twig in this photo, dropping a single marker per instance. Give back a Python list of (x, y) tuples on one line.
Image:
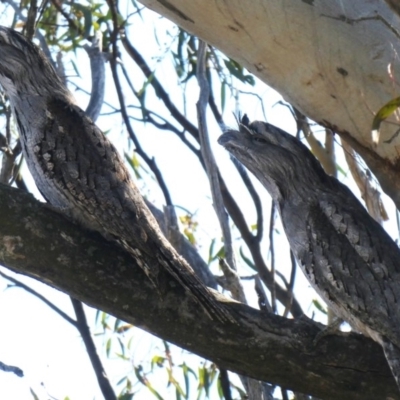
[(254, 195), (225, 384), (82, 326), (97, 67), (61, 313), (284, 394), (181, 244), (10, 368), (369, 194), (149, 161), (263, 302), (291, 284), (254, 248), (326, 160), (212, 170), (38, 35), (160, 91), (232, 282), (8, 162), (272, 253), (71, 23), (30, 24)]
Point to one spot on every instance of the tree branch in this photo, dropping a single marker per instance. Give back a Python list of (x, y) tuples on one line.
[(40, 243), (98, 73), (83, 328)]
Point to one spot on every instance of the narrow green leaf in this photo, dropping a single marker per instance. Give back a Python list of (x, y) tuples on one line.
[(211, 251), (87, 14), (143, 380), (219, 388), (246, 260), (223, 95), (122, 346), (319, 306), (386, 111), (185, 371), (157, 360), (34, 395), (108, 347), (126, 396), (76, 69), (122, 380)]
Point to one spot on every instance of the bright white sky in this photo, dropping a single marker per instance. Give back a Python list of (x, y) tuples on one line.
[(48, 349)]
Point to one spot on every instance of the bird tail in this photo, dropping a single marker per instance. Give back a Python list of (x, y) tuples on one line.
[(198, 290), (187, 278), (392, 354)]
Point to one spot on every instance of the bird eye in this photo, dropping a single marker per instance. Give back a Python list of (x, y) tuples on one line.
[(259, 139)]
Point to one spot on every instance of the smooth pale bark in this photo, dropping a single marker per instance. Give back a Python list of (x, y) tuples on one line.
[(329, 58), (38, 242)]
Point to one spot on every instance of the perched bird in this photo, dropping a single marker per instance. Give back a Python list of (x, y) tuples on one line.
[(346, 255), (80, 172)]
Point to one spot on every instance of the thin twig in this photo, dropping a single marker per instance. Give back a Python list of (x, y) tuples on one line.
[(147, 116), (71, 23), (263, 302), (10, 368), (158, 88), (369, 194), (326, 160), (291, 284), (272, 253), (254, 247), (149, 161), (170, 228), (225, 384), (61, 313), (38, 35), (82, 326), (30, 25), (212, 169), (254, 196), (232, 281)]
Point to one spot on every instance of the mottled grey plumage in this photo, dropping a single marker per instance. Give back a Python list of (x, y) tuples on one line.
[(346, 255), (79, 171)]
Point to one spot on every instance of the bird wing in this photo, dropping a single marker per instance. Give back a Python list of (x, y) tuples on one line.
[(87, 169), (355, 265)]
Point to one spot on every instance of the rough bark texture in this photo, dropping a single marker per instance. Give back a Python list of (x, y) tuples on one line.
[(40, 243), (328, 58)]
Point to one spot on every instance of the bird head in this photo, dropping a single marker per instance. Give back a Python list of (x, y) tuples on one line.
[(281, 162), (24, 69)]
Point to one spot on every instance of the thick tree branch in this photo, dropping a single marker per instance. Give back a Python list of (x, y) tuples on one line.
[(40, 243)]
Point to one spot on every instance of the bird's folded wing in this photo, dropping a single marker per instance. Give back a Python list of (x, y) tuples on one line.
[(355, 264)]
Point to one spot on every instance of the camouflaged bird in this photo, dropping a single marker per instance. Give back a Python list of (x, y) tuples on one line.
[(346, 255), (79, 171)]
